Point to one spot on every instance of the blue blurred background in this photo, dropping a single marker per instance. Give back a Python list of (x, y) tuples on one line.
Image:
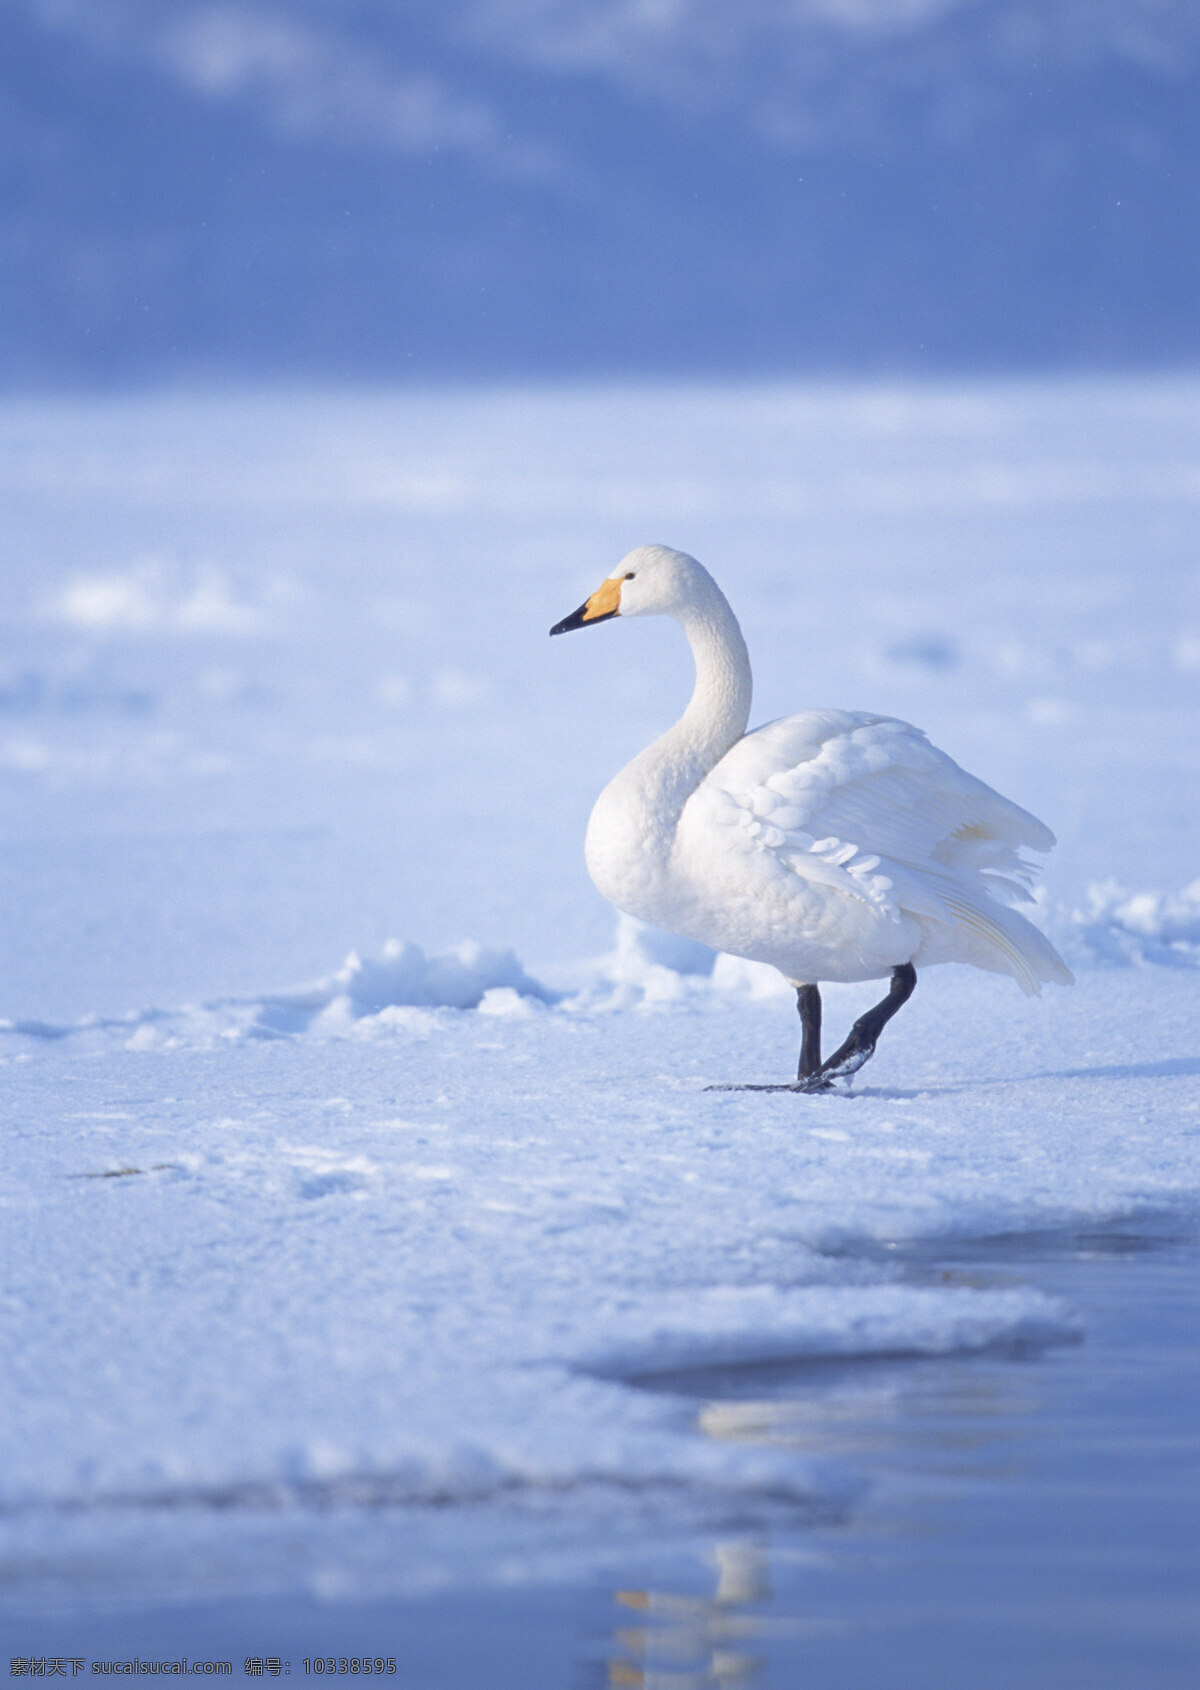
[(434, 189)]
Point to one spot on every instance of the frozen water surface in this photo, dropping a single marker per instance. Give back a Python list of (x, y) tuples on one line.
[(374, 1255)]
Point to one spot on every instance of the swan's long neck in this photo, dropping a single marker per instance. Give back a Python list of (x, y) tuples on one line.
[(632, 829), (672, 768)]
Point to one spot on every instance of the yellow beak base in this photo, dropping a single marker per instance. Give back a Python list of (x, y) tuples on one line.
[(604, 602)]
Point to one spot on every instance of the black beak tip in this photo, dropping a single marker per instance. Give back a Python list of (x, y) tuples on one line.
[(568, 623)]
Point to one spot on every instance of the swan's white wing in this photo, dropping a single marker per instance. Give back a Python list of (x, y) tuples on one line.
[(870, 779), (865, 804)]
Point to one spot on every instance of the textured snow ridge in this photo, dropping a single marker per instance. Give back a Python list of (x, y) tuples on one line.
[(524, 1450), (394, 992), (748, 1326), (558, 1413), (365, 998)]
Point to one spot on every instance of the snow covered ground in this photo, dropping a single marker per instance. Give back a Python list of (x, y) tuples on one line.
[(346, 1276)]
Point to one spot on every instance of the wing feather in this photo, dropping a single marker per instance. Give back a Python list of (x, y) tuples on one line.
[(865, 803)]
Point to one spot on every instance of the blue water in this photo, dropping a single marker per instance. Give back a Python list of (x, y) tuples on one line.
[(1029, 1519)]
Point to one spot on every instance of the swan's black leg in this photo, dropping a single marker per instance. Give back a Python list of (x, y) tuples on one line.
[(808, 1002), (860, 1045), (816, 1075)]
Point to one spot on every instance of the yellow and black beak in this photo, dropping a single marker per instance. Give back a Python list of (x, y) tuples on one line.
[(604, 602)]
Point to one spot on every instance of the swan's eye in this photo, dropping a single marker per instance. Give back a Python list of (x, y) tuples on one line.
[(629, 577)]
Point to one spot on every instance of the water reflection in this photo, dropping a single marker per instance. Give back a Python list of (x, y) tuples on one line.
[(943, 1418), (697, 1642), (1021, 1508), (925, 1413)]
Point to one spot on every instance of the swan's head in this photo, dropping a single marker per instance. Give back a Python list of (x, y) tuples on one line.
[(650, 581)]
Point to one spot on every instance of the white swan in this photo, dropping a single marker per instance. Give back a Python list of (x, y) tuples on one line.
[(835, 845)]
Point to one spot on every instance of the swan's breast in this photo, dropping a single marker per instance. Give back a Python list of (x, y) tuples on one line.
[(627, 849)]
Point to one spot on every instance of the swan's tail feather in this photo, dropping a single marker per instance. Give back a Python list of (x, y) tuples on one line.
[(1025, 952), (996, 936)]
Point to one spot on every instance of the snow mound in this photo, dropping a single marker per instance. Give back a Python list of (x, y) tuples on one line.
[(455, 979), (649, 966), (1140, 927), (404, 990), (370, 996), (367, 997)]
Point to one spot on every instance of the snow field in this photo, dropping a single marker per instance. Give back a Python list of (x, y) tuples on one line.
[(366, 1283), (279, 1275)]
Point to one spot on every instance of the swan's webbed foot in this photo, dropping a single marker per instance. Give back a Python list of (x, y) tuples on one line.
[(816, 1083), (817, 1076), (813, 1083)]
